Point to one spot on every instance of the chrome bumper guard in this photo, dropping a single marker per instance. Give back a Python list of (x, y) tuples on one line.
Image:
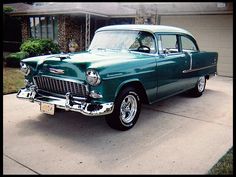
[(67, 103)]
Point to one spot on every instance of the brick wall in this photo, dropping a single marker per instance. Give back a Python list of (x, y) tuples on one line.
[(70, 28), (152, 19), (73, 27), (62, 39), (25, 28), (143, 16)]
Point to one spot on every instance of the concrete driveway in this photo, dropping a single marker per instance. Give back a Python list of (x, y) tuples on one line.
[(180, 135)]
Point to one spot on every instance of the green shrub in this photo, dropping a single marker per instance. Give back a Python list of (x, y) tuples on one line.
[(13, 60), (36, 47), (7, 9)]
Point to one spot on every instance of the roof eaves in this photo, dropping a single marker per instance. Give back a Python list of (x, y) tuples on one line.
[(55, 13), (197, 13)]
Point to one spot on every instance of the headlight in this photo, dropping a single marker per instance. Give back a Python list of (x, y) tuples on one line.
[(24, 68), (93, 77)]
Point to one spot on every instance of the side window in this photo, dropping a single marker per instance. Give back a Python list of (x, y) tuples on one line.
[(187, 44), (168, 44), (144, 42), (149, 42)]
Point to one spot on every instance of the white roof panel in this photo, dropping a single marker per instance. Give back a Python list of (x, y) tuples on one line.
[(149, 28)]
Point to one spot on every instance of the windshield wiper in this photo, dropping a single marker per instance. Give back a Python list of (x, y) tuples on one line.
[(107, 49), (101, 49), (114, 49)]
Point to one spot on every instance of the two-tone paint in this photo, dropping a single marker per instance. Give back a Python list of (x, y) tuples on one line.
[(158, 75)]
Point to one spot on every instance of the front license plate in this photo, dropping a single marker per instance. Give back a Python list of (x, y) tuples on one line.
[(24, 94), (47, 108)]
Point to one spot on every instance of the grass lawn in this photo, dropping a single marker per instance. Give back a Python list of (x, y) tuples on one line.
[(13, 80), (224, 166)]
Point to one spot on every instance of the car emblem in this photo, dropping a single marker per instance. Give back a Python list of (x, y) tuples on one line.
[(56, 71)]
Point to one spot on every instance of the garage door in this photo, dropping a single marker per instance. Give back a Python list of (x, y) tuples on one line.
[(212, 32)]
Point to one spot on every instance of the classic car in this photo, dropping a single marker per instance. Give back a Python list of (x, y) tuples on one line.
[(125, 66)]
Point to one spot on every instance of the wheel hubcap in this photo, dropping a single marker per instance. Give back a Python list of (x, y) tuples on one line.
[(128, 109), (201, 84)]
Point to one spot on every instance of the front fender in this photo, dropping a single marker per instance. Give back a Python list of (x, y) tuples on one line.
[(110, 88), (124, 83)]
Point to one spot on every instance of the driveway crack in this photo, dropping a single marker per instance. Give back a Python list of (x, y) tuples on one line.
[(157, 110), (21, 164)]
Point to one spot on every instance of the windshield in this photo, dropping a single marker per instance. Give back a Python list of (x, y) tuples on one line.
[(139, 41)]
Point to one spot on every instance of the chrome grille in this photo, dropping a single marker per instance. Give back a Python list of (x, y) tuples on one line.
[(60, 86)]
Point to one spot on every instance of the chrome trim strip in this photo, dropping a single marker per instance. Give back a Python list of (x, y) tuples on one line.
[(71, 88), (63, 85), (84, 108), (95, 95), (74, 87), (197, 69), (57, 87), (43, 81), (34, 81), (49, 84), (191, 61), (53, 85), (129, 74), (144, 53), (59, 95), (63, 79), (60, 85)]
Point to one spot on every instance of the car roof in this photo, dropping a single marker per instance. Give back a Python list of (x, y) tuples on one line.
[(148, 28)]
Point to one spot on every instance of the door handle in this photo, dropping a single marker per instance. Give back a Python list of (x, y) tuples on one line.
[(162, 55)]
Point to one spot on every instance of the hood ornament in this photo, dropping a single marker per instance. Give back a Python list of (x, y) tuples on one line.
[(63, 56)]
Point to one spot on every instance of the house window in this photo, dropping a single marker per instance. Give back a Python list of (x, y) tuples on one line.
[(44, 27), (116, 21)]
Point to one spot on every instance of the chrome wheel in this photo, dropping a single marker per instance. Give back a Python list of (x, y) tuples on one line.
[(128, 109), (201, 84)]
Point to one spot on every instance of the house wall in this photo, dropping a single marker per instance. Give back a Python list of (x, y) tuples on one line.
[(73, 27), (25, 28), (70, 28), (62, 32), (146, 19), (77, 31)]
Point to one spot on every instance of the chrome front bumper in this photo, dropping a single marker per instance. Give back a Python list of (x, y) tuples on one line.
[(68, 103)]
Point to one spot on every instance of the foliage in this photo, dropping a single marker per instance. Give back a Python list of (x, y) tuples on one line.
[(13, 60), (13, 80), (7, 9), (224, 166), (36, 47)]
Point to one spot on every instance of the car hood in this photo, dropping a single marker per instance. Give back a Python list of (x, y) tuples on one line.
[(76, 64)]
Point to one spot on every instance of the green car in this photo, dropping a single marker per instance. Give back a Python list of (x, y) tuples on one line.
[(124, 67)]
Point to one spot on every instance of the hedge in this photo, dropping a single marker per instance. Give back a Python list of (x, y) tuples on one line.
[(31, 48), (36, 47), (13, 60)]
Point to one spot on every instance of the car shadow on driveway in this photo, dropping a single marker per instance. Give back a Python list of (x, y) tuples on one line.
[(75, 132), (92, 136)]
